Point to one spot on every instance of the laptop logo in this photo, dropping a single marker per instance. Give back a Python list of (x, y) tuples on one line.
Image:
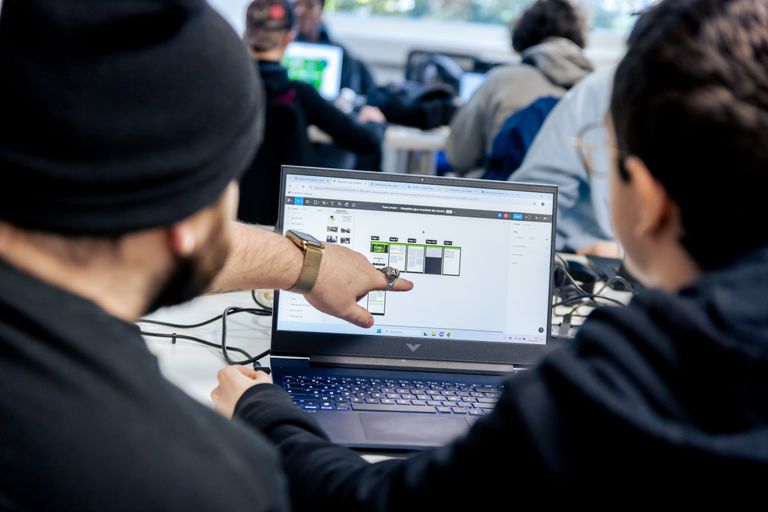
[(414, 347)]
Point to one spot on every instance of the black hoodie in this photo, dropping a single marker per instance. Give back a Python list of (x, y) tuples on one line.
[(363, 140), (666, 396)]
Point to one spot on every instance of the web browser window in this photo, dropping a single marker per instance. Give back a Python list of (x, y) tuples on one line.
[(480, 258)]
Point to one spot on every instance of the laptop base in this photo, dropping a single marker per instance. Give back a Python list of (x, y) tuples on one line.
[(384, 430)]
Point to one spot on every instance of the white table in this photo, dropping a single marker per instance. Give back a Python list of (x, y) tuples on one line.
[(192, 366), (406, 149)]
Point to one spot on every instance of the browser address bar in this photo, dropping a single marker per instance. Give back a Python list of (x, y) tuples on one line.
[(380, 192)]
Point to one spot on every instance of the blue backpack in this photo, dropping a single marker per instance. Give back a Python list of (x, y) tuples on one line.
[(515, 138)]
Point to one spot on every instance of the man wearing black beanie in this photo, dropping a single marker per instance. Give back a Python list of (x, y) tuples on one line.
[(124, 127)]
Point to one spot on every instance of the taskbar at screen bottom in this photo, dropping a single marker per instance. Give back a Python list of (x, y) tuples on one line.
[(540, 338)]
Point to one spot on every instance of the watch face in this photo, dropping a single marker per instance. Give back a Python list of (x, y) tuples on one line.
[(306, 237)]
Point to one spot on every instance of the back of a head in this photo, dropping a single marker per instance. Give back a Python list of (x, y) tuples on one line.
[(267, 22), (120, 116), (690, 99), (546, 19)]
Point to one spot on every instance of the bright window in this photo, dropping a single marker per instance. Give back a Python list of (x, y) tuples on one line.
[(612, 15)]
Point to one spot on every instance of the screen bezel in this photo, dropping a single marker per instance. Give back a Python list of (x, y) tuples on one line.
[(307, 344)]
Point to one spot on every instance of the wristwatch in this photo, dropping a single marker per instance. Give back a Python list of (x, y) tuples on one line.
[(313, 253)]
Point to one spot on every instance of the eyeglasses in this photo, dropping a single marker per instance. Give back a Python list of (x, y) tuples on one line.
[(595, 150)]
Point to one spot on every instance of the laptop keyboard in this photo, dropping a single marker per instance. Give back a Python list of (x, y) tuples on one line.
[(320, 393)]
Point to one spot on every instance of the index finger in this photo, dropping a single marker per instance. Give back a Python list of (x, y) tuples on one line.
[(402, 285)]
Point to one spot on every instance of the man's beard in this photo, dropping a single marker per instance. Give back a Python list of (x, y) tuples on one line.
[(192, 275)]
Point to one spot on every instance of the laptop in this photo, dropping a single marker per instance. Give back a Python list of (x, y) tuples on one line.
[(480, 254), (316, 64), (468, 84)]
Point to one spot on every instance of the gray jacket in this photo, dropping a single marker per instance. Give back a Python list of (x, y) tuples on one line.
[(548, 69)]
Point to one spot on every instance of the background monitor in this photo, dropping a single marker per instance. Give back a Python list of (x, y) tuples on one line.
[(469, 83), (315, 64)]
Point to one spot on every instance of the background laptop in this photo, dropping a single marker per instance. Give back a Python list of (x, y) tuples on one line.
[(316, 64), (468, 84), (481, 256)]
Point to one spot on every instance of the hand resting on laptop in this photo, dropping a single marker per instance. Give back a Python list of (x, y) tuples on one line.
[(233, 382)]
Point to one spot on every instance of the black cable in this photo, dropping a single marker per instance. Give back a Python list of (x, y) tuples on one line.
[(591, 296), (618, 279), (223, 345), (573, 282), (175, 336), (253, 311), (256, 300)]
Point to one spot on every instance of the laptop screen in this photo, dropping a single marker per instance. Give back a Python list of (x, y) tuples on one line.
[(479, 253), (469, 83), (315, 64)]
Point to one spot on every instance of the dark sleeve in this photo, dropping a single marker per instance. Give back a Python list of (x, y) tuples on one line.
[(593, 411), (343, 129), (473, 471), (356, 75)]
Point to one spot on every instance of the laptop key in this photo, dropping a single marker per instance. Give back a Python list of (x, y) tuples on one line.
[(393, 408), (434, 402), (460, 410), (403, 402), (419, 402), (476, 412), (444, 410)]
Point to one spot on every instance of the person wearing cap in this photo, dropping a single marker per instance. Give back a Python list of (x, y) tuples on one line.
[(355, 74), (269, 29), (124, 129), (665, 398)]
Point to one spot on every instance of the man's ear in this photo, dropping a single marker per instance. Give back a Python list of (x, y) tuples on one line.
[(182, 239), (655, 208), (289, 38)]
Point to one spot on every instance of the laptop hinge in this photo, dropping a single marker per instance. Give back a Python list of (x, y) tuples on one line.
[(385, 363)]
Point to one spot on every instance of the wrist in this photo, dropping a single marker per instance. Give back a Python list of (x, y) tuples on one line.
[(312, 250), (294, 261)]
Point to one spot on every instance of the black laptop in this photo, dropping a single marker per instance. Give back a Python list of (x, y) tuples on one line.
[(480, 254)]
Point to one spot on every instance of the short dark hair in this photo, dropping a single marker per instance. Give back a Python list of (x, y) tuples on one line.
[(545, 19), (690, 99)]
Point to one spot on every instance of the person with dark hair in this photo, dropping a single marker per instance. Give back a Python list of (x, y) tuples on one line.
[(546, 19), (550, 38), (355, 74), (269, 28), (125, 127), (664, 398)]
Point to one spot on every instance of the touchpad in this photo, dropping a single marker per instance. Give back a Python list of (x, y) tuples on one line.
[(422, 429)]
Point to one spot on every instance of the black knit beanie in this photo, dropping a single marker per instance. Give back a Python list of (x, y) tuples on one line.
[(120, 115)]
